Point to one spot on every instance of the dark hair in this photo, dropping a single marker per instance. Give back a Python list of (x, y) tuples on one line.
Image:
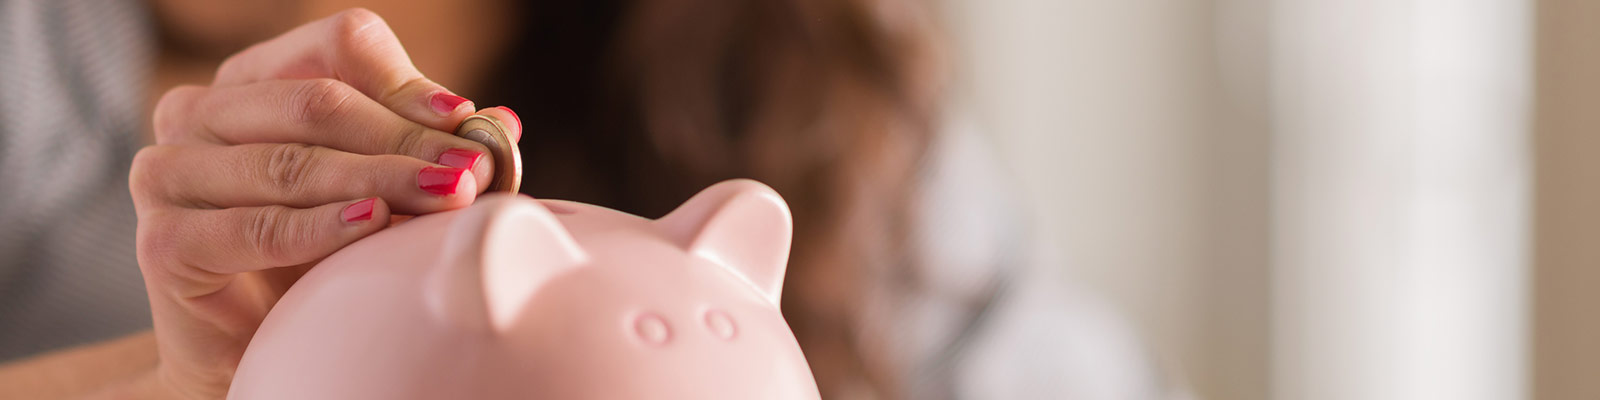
[(638, 105)]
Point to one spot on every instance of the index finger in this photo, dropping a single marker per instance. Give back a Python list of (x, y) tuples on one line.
[(358, 48)]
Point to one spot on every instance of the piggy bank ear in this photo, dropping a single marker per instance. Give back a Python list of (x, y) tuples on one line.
[(497, 254), (740, 224)]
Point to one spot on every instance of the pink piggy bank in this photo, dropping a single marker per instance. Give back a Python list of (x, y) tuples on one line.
[(539, 299)]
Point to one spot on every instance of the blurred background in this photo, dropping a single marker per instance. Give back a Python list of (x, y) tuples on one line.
[(1305, 199), (1291, 199)]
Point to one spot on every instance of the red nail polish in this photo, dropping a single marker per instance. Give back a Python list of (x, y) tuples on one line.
[(459, 158), (444, 102), (439, 180), (519, 121), (358, 211)]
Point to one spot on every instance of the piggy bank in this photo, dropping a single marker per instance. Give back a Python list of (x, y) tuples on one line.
[(516, 298)]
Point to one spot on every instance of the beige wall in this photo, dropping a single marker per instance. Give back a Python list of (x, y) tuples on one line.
[(1149, 135), (1566, 284), (1145, 162)]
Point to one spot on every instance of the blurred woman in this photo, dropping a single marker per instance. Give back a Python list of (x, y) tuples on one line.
[(908, 277)]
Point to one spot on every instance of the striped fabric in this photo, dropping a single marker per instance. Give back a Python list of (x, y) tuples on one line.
[(72, 81)]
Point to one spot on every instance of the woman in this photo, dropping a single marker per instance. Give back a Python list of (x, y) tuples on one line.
[(903, 281)]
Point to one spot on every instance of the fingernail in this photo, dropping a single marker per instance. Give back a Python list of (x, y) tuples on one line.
[(444, 102), (459, 158), (519, 121), (439, 180), (358, 211)]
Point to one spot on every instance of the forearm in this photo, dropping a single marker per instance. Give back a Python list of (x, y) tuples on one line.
[(118, 368)]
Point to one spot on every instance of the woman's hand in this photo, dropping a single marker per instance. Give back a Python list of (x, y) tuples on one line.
[(301, 145)]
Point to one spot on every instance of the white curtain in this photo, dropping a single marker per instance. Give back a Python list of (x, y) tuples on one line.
[(1291, 199), (1400, 198)]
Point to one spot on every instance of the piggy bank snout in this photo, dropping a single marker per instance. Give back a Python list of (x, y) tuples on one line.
[(651, 328)]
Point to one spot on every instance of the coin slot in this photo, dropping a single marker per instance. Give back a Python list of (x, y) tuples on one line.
[(558, 208)]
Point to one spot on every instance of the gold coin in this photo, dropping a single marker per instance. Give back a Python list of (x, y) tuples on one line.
[(507, 159)]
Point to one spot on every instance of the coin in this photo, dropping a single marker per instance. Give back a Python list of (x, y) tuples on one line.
[(507, 159)]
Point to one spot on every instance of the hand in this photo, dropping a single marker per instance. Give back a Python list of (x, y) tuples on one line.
[(301, 145)]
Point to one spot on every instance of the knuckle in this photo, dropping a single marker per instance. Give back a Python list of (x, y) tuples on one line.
[(268, 233), (155, 239), (356, 17), (410, 140), (288, 166), (159, 249), (230, 66), (365, 177), (416, 84), (318, 101), (160, 239), (167, 120), (357, 29), (239, 62), (149, 164)]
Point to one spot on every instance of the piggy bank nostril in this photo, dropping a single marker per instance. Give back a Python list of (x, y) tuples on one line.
[(652, 329), (720, 324)]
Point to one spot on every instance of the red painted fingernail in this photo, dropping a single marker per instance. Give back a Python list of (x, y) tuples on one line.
[(444, 102), (358, 211), (519, 121), (459, 158), (439, 180)]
